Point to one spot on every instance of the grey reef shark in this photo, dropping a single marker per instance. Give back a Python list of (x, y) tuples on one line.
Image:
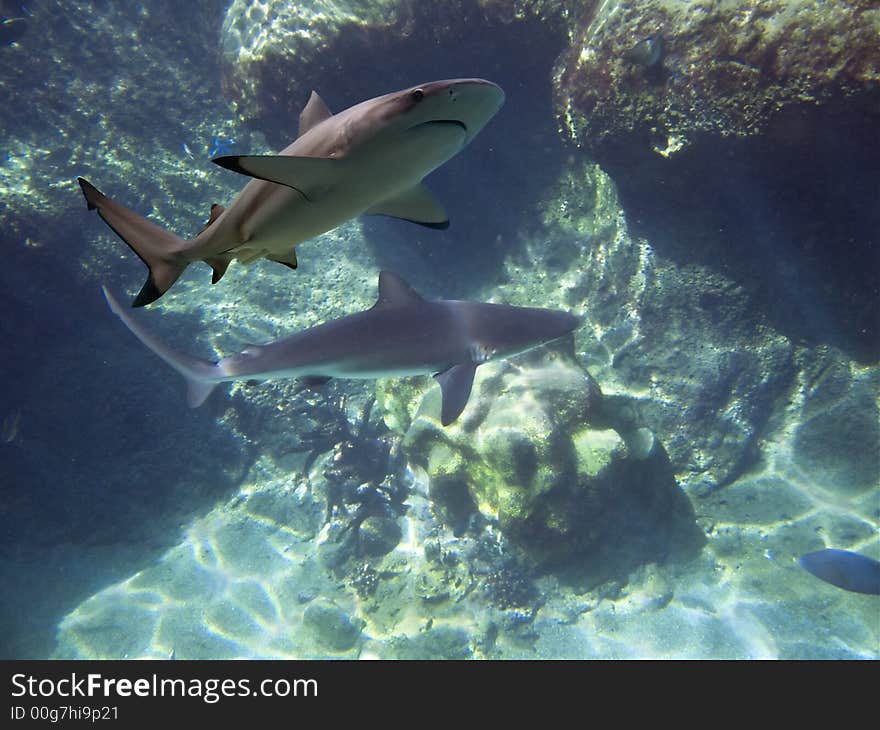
[(370, 158), (402, 334)]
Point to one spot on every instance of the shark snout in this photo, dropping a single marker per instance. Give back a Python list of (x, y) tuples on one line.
[(470, 103), (561, 324)]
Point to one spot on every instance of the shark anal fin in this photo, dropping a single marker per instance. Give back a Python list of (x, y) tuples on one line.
[(456, 384), (416, 205), (314, 112), (309, 176), (148, 294), (288, 261)]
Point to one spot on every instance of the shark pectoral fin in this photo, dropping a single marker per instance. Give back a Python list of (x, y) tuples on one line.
[(456, 385), (417, 205), (289, 260), (314, 112), (310, 176)]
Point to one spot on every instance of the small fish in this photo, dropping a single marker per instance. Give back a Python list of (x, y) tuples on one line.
[(220, 146), (844, 569), (9, 431), (647, 52), (188, 152), (11, 29)]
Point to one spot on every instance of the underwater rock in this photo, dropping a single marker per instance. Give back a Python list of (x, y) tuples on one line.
[(276, 52), (378, 535), (530, 460), (836, 441), (684, 356), (729, 66), (723, 153), (332, 627), (647, 52)]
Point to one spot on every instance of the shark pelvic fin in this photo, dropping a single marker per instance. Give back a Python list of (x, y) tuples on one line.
[(312, 177), (155, 246), (216, 210), (314, 112), (456, 384), (417, 205), (289, 260)]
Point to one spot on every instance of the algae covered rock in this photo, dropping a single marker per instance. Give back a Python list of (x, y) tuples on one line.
[(684, 353), (378, 535), (671, 69), (723, 144), (532, 454)]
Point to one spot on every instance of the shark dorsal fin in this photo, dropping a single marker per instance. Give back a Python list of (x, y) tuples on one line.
[(394, 291), (314, 112)]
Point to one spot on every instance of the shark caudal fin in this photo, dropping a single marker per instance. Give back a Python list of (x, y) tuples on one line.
[(155, 246), (201, 375)]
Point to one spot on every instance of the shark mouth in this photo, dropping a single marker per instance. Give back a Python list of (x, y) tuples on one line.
[(455, 122)]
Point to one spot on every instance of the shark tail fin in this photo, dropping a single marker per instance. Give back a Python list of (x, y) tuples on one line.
[(201, 376), (155, 246)]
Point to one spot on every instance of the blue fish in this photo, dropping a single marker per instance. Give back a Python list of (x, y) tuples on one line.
[(844, 569), (221, 146)]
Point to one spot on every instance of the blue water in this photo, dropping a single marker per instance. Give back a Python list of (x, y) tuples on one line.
[(280, 522)]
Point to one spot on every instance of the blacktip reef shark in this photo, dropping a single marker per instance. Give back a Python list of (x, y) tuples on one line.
[(402, 334), (370, 158)]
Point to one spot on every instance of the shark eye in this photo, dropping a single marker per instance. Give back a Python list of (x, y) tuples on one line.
[(417, 95)]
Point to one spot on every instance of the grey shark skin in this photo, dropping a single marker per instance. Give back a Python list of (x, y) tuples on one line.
[(402, 334), (370, 158)]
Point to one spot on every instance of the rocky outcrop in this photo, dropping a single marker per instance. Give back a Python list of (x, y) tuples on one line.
[(741, 136), (536, 454), (275, 53)]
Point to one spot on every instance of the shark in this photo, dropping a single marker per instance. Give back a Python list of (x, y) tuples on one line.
[(402, 334), (370, 158)]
